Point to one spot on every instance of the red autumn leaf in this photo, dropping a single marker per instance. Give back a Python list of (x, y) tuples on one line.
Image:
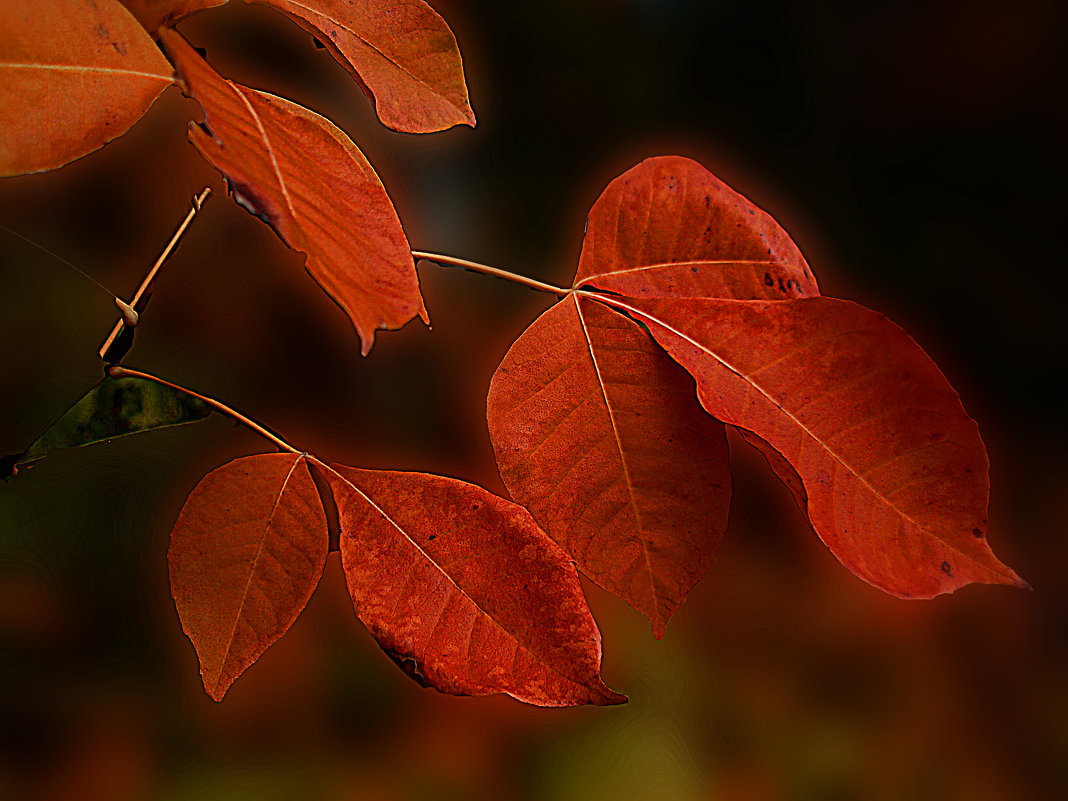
[(851, 414), (246, 553), (668, 213), (594, 430), (74, 74), (464, 591), (694, 243), (156, 14), (306, 179), (402, 54), (894, 470), (600, 436)]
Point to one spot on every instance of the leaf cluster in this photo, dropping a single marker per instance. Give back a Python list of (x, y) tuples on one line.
[(691, 310)]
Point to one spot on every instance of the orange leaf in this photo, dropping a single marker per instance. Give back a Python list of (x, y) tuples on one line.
[(600, 436), (402, 54), (894, 470), (306, 179), (246, 553), (156, 14), (464, 591), (668, 215), (74, 74)]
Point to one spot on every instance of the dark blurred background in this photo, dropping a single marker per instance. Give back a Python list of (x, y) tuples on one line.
[(915, 152)]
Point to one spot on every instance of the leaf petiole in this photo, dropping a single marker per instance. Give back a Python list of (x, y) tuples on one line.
[(485, 269), (118, 371)]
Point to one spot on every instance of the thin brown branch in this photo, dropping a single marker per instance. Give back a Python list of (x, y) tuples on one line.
[(136, 303), (485, 269)]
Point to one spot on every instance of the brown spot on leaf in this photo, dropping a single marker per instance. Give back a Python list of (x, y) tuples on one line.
[(410, 664), (947, 568), (245, 198)]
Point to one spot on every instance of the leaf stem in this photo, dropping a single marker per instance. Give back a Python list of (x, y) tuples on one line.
[(485, 269), (136, 304), (118, 371)]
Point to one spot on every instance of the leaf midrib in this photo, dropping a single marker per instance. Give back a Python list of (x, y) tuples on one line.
[(658, 265), (84, 68), (267, 144), (252, 570), (623, 461), (382, 513)]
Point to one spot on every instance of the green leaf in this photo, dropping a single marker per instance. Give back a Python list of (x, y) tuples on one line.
[(113, 408)]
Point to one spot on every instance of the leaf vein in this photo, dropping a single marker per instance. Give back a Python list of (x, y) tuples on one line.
[(617, 440), (82, 69), (255, 564), (376, 50)]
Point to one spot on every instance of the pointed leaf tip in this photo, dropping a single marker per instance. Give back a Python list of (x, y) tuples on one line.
[(246, 553), (464, 591)]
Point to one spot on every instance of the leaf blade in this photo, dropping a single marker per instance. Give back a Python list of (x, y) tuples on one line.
[(332, 207), (463, 590), (239, 594), (894, 471), (669, 213), (598, 434), (403, 54), (94, 66), (114, 408)]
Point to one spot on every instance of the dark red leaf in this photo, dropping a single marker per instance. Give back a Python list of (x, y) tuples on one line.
[(851, 414), (246, 553), (600, 436), (74, 74), (894, 471), (670, 212), (303, 176), (401, 52), (464, 591)]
